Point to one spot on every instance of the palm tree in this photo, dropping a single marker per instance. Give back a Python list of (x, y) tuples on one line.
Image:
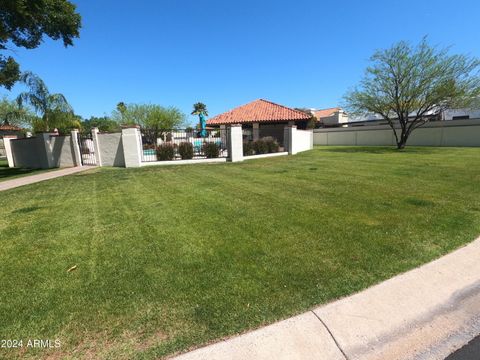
[(122, 109), (41, 100), (200, 109)]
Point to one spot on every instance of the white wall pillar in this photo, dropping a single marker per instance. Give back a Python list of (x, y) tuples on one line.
[(289, 139), (235, 143), (96, 147), (297, 140), (132, 146), (77, 156), (256, 131), (8, 149), (49, 163)]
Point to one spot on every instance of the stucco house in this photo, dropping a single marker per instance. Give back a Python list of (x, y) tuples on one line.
[(262, 118)]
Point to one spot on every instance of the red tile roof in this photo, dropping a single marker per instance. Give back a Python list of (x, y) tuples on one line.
[(258, 111), (325, 112), (9, 128)]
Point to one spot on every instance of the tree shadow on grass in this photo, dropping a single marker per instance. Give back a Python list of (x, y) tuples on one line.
[(380, 150), (26, 210), (6, 172)]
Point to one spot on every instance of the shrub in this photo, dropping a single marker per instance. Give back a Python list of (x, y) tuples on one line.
[(260, 146), (185, 149), (165, 152), (211, 150), (272, 144), (248, 148)]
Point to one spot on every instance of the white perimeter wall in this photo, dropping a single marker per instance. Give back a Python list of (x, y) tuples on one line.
[(43, 151), (61, 151), (439, 133), (302, 140), (111, 149), (29, 153)]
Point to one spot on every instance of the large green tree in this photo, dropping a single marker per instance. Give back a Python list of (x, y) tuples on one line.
[(154, 120), (62, 121), (24, 23), (159, 120), (104, 124), (53, 109), (407, 85)]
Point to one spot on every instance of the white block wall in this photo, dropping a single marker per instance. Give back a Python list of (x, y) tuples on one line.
[(298, 140), (438, 133)]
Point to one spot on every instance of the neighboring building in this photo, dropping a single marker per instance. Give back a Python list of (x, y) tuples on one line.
[(335, 117), (262, 118), (446, 115), (330, 117), (461, 114)]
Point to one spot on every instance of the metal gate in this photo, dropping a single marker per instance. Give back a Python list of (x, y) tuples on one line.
[(87, 149)]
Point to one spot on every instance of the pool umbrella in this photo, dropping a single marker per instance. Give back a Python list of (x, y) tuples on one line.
[(203, 126)]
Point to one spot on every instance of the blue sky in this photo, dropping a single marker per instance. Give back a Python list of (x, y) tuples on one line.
[(299, 53)]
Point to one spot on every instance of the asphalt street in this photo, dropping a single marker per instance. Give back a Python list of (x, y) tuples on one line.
[(471, 351)]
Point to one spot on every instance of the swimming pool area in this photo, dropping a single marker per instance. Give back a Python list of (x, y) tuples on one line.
[(178, 137)]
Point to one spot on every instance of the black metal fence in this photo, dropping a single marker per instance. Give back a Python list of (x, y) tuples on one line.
[(183, 144)]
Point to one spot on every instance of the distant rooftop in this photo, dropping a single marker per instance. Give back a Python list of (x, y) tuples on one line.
[(325, 112)]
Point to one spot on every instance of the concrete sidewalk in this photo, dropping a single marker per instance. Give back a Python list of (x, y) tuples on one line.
[(26, 180), (426, 313)]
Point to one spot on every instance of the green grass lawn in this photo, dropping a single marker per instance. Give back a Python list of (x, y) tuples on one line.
[(7, 173), (169, 258)]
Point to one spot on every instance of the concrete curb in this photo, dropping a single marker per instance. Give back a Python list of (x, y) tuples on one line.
[(426, 313)]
